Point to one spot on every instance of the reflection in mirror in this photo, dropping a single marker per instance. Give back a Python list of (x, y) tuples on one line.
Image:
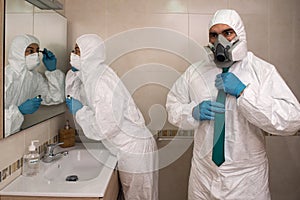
[(35, 60)]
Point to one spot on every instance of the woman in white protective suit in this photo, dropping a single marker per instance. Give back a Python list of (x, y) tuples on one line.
[(257, 100), (106, 111), (23, 84)]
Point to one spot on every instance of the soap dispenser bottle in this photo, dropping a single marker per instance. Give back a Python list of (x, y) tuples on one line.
[(67, 136), (31, 161)]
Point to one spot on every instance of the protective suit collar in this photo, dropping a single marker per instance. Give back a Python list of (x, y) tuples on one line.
[(16, 55)]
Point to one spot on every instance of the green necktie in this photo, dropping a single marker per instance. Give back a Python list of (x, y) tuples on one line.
[(218, 156)]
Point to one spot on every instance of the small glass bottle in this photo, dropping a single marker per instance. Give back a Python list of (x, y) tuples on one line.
[(31, 161)]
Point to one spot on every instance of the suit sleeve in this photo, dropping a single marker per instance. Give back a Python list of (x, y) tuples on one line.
[(179, 105), (270, 105)]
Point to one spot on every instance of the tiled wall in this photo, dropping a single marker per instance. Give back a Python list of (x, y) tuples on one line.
[(272, 26), (14, 147)]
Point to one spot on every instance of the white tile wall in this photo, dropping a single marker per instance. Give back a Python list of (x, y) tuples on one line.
[(272, 30)]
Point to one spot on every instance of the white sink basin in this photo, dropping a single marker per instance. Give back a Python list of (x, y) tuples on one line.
[(78, 165), (93, 174)]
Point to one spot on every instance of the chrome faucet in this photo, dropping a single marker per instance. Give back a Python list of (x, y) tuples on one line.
[(50, 155)]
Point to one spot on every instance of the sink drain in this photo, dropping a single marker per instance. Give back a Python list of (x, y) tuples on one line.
[(72, 178)]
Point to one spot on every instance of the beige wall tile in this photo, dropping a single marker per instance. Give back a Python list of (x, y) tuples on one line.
[(177, 22), (11, 148), (145, 56), (91, 6), (39, 132), (149, 85), (198, 28), (206, 7), (256, 7), (166, 6), (152, 95), (118, 23), (125, 7), (284, 29), (257, 34), (85, 17), (56, 123), (296, 43), (283, 7)]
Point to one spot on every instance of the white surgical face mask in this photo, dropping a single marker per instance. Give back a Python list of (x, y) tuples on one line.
[(75, 61), (32, 61)]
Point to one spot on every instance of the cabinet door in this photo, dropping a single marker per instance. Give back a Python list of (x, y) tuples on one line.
[(112, 189)]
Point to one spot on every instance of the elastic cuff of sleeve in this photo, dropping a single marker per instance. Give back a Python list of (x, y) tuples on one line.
[(240, 90), (243, 90)]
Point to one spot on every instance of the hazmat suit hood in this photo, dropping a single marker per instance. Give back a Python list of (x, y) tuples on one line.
[(92, 54), (92, 57), (16, 55), (232, 19)]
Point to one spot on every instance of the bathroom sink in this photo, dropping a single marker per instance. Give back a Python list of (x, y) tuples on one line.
[(77, 166), (92, 163)]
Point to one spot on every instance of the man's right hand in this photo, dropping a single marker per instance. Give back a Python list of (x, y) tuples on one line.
[(206, 110)]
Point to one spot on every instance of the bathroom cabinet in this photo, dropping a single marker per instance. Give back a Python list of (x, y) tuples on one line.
[(111, 193)]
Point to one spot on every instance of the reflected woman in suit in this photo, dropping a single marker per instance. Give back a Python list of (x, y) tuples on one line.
[(25, 88)]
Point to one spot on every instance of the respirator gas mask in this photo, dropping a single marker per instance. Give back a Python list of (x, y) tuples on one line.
[(225, 52)]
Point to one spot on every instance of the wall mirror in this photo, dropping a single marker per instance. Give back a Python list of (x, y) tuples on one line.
[(50, 27)]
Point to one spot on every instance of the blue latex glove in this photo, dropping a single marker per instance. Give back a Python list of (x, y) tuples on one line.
[(74, 69), (206, 110), (230, 84), (73, 104), (49, 60), (30, 106)]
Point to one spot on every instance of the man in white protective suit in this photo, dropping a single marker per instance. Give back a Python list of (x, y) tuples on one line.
[(25, 88), (256, 100), (106, 112)]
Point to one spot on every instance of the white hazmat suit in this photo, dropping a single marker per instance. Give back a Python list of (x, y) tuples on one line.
[(267, 104), (22, 84), (109, 114)]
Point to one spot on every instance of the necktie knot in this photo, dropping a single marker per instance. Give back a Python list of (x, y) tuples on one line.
[(224, 70)]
